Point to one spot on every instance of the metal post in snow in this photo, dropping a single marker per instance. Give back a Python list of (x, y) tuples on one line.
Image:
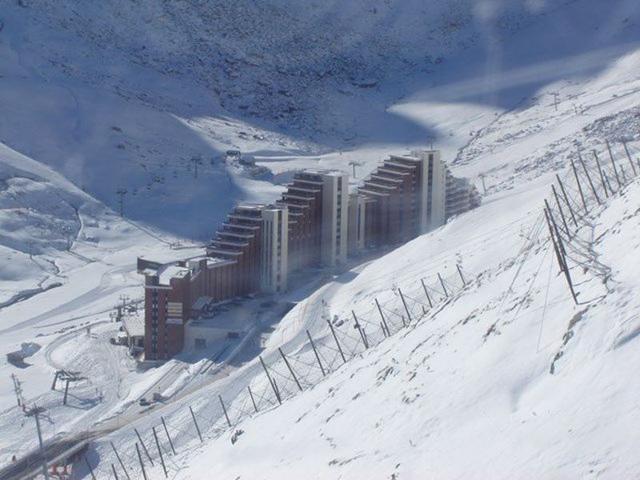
[(155, 436), (626, 149), (144, 472), (166, 431), (359, 328), (604, 185), (606, 177), (273, 385), (564, 221), (566, 199), (66, 392), (384, 332), (315, 352), (224, 409), (193, 415), (464, 283), (126, 473), (144, 447), (586, 172), (384, 321), (86, 461), (115, 474), (426, 292), (563, 254), (555, 228), (575, 173), (613, 162), (406, 309), (286, 362), (444, 289), (253, 400), (335, 337)]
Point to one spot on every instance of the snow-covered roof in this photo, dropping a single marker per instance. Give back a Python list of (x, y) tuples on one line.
[(134, 325), (167, 272)]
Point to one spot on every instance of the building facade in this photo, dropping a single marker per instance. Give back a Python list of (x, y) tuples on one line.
[(316, 222)]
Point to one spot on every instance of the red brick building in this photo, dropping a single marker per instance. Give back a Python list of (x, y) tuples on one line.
[(259, 245)]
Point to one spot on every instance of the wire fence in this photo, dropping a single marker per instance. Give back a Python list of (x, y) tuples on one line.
[(273, 381), (569, 210), (592, 179)]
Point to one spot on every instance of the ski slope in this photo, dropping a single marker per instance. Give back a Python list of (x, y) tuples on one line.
[(511, 362), (102, 98)]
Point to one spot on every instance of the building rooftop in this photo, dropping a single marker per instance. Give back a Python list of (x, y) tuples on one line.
[(220, 251), (399, 165), (370, 183), (133, 325), (167, 272), (372, 192), (296, 197), (385, 179), (291, 186), (240, 226), (245, 217), (392, 172)]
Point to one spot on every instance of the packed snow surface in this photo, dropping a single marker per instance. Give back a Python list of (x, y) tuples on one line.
[(507, 378)]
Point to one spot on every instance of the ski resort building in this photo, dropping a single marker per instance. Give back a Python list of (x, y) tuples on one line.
[(406, 197), (316, 222)]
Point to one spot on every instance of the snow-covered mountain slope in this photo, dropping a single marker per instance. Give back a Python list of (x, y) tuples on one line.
[(496, 386), (66, 260), (510, 380), (118, 97), (130, 97)]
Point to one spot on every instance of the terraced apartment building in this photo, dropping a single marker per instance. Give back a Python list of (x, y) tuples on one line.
[(318, 221)]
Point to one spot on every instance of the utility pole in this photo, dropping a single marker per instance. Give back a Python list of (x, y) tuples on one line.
[(354, 164), (196, 161), (35, 412), (484, 186), (124, 299), (121, 192), (17, 387)]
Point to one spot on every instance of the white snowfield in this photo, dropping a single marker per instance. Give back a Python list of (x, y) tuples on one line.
[(507, 379)]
